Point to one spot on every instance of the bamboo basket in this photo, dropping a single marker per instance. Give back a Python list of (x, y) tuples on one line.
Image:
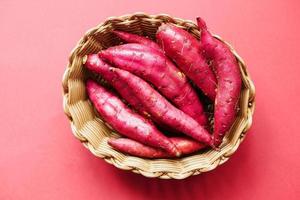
[(94, 133)]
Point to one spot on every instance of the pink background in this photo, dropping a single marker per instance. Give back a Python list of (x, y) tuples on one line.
[(40, 158)]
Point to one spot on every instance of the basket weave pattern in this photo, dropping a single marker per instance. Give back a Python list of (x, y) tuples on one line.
[(94, 133)]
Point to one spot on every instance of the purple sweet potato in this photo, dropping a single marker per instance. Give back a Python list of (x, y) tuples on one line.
[(125, 121), (162, 110), (125, 145), (229, 81), (184, 49), (133, 38), (154, 67)]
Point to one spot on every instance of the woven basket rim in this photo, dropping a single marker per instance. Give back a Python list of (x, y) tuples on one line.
[(164, 174)]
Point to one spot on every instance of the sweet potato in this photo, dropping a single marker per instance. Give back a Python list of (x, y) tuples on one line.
[(95, 64), (229, 81), (160, 109), (133, 38), (126, 122), (125, 145), (184, 49), (155, 67)]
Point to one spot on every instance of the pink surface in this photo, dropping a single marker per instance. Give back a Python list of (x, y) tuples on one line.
[(40, 158)]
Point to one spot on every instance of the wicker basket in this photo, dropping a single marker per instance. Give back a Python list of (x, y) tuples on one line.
[(94, 133)]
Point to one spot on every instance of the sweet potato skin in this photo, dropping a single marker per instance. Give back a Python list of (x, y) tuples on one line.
[(162, 110), (125, 145), (150, 100), (125, 121), (229, 81), (187, 146), (184, 49), (133, 38), (97, 65), (154, 67)]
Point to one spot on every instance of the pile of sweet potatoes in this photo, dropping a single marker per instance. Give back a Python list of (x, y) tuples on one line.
[(153, 99)]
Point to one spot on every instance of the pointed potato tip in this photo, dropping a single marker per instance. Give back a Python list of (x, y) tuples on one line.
[(201, 23), (111, 141), (116, 32)]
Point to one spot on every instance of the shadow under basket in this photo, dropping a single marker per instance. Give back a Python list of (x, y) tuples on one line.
[(94, 133)]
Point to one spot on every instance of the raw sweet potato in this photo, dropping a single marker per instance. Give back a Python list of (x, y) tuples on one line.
[(125, 145), (138, 92), (96, 64), (229, 81), (184, 49), (155, 67), (133, 38), (160, 109), (126, 122)]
